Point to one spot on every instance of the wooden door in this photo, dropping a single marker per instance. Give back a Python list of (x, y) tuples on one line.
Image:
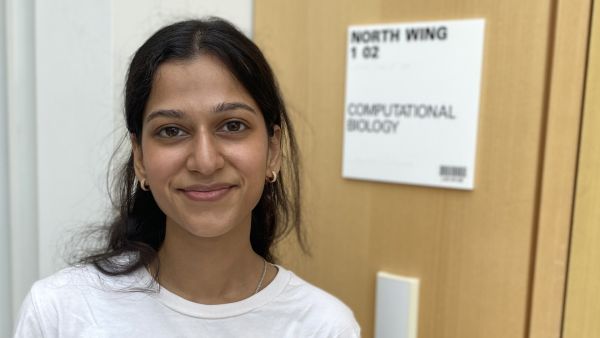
[(491, 261), (582, 312)]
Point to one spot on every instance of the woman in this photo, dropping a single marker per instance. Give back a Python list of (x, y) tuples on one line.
[(210, 185)]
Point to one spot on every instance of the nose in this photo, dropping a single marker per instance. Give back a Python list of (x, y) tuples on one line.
[(205, 156)]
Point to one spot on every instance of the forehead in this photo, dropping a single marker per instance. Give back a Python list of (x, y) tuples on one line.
[(198, 83)]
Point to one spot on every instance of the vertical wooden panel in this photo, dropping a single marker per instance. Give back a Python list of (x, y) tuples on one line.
[(472, 250), (583, 292), (566, 74)]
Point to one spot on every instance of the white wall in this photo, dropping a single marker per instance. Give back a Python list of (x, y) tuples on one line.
[(66, 62), (74, 119), (20, 94), (5, 285)]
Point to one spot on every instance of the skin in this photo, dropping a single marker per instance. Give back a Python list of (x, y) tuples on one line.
[(205, 154)]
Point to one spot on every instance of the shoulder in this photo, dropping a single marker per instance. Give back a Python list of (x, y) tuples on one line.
[(315, 296), (68, 280), (77, 286), (66, 287), (328, 314), (83, 278), (88, 278), (42, 306), (70, 298)]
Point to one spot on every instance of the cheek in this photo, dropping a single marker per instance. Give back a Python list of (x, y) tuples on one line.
[(250, 159), (251, 168), (160, 163)]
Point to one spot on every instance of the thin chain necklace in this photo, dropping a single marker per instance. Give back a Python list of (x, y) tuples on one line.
[(262, 277)]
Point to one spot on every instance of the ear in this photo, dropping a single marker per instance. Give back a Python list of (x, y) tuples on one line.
[(274, 155), (138, 163)]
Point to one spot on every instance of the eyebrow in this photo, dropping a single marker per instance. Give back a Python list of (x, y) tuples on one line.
[(227, 106), (170, 113), (178, 114)]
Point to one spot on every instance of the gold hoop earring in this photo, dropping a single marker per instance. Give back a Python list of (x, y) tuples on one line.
[(143, 185), (272, 179)]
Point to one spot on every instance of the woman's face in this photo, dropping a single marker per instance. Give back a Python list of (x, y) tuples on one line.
[(205, 151)]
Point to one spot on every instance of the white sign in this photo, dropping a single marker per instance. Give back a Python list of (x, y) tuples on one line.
[(412, 102)]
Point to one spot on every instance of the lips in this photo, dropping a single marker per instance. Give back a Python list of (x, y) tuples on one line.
[(207, 193)]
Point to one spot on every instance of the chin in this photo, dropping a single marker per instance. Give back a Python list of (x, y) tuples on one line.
[(209, 224), (207, 229)]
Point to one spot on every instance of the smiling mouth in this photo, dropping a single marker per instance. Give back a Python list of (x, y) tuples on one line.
[(206, 194)]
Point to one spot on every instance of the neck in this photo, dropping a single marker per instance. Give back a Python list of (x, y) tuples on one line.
[(215, 270)]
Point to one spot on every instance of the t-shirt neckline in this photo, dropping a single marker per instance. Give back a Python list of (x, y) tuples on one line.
[(186, 307)]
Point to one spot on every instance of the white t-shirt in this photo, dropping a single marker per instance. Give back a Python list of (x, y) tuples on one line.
[(82, 302)]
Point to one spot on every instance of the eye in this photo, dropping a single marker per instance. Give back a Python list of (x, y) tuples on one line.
[(234, 127), (170, 132)]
